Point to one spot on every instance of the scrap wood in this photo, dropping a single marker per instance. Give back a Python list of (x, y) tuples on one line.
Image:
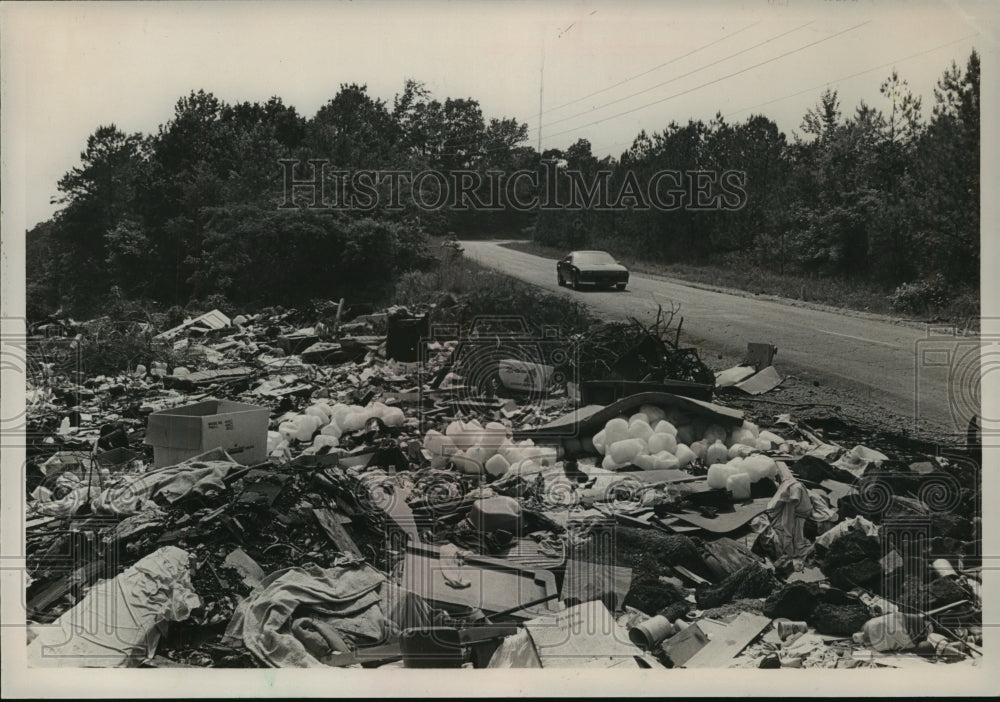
[(728, 644), (727, 556), (761, 382), (690, 575), (335, 530)]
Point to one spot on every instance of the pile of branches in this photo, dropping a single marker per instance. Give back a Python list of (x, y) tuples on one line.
[(635, 351)]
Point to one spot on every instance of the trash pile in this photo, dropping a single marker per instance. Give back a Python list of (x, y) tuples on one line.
[(361, 493)]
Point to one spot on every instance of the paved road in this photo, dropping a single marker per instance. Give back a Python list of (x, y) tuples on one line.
[(895, 366)]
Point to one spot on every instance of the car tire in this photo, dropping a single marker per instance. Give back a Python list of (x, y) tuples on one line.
[(559, 280), (576, 281), (621, 286)]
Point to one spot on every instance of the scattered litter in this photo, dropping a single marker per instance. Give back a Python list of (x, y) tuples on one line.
[(300, 490)]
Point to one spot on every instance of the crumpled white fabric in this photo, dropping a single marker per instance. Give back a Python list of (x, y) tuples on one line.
[(293, 612), (858, 458), (788, 509), (120, 621), (854, 524), (129, 495), (132, 492), (80, 491)]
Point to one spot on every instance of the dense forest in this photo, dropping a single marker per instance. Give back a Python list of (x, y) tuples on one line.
[(192, 212)]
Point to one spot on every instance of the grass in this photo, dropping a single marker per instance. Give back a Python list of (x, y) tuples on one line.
[(483, 291), (847, 294)]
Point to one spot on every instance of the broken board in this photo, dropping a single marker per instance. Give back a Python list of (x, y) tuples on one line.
[(494, 585), (759, 383), (330, 523), (725, 645), (726, 522)]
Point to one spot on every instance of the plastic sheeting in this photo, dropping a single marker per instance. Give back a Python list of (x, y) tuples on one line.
[(130, 493), (303, 617), (120, 621), (171, 483), (859, 524)]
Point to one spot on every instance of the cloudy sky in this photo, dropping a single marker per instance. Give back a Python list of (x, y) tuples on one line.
[(605, 70)]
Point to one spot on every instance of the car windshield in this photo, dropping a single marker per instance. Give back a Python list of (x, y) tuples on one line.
[(592, 258)]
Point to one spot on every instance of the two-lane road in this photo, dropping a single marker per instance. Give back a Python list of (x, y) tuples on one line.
[(931, 382)]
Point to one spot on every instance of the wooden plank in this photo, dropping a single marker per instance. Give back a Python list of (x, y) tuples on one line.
[(728, 644), (41, 521), (727, 556), (335, 530), (690, 575), (764, 381)]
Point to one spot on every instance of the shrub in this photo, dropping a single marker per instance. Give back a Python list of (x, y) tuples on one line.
[(922, 296)]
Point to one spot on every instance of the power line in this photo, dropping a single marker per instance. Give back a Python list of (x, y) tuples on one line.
[(713, 82), (824, 84), (853, 75), (647, 72), (676, 78), (539, 126)]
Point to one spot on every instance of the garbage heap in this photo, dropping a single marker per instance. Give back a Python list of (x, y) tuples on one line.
[(309, 496)]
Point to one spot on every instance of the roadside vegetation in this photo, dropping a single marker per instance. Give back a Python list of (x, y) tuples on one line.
[(863, 296), (482, 291)]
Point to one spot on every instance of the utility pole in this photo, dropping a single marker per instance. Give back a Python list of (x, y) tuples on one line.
[(541, 92)]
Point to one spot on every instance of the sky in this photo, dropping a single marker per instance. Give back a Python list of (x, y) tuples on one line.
[(600, 71)]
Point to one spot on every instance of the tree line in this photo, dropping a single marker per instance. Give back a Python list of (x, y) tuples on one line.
[(883, 195), (191, 212)]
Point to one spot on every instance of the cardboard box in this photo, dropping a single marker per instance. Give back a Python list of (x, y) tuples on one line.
[(179, 433)]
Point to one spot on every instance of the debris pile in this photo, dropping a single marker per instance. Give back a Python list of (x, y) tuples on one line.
[(360, 493)]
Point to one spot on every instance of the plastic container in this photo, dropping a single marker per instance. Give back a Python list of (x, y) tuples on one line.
[(684, 455), (787, 628), (718, 474), (661, 442), (739, 485), (651, 632), (893, 632), (622, 452), (716, 453)]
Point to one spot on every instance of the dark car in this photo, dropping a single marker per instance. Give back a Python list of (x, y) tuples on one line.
[(591, 267)]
